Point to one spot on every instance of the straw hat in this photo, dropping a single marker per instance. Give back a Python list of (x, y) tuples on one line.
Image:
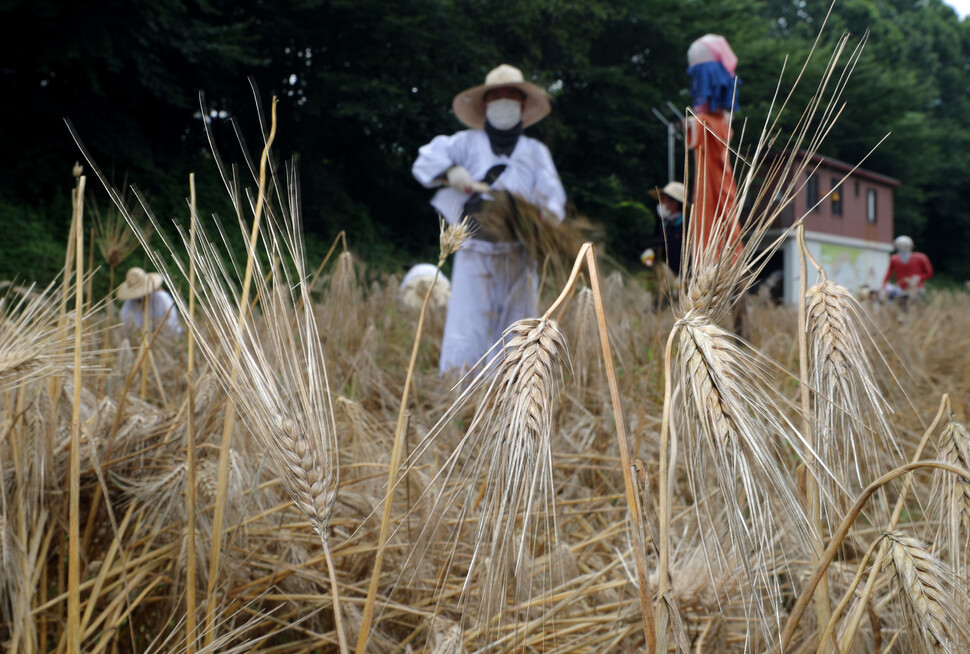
[(469, 105), (138, 284), (672, 189), (415, 286)]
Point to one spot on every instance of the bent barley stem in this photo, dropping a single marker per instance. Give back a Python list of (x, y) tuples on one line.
[(856, 618), (839, 536), (639, 548), (588, 255), (829, 554)]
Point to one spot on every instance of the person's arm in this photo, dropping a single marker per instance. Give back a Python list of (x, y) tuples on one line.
[(927, 270), (130, 313), (435, 158), (548, 192), (889, 273), (163, 308), (693, 132)]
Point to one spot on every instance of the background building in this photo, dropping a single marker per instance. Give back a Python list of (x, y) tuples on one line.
[(848, 222)]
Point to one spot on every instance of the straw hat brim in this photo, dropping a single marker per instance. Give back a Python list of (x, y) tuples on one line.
[(469, 105), (151, 282)]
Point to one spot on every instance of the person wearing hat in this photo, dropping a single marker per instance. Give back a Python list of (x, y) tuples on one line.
[(493, 284), (415, 284), (910, 270), (713, 89), (670, 209), (143, 297)]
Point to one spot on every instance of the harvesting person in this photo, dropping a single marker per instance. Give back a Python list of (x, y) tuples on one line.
[(670, 210), (493, 282), (414, 286), (144, 297), (909, 269)]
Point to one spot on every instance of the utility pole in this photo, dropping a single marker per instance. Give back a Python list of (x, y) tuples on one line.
[(671, 117)]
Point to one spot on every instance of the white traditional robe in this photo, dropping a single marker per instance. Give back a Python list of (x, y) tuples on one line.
[(492, 284), (161, 307)]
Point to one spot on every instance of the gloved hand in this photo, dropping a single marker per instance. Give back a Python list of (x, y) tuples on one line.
[(913, 281), (460, 179), (647, 257)]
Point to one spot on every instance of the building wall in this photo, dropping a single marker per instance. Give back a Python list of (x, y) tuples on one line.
[(850, 262), (855, 194)]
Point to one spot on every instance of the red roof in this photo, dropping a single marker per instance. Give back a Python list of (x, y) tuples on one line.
[(847, 167)]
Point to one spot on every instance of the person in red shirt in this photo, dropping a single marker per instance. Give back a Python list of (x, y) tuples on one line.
[(910, 269)]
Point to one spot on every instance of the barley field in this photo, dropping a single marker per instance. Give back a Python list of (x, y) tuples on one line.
[(292, 474)]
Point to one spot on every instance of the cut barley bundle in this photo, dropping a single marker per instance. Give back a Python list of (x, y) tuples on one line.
[(935, 601), (510, 217)]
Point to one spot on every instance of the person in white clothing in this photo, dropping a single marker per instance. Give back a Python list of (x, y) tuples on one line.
[(143, 295), (493, 284), (416, 283)]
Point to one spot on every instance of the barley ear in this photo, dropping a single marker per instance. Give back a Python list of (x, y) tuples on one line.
[(933, 605)]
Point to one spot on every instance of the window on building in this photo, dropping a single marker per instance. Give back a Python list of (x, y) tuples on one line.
[(811, 192), (836, 197), (871, 205)]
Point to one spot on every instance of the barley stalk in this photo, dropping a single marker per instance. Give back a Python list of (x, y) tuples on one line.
[(229, 421), (952, 495), (275, 373), (33, 340), (838, 537), (503, 466), (855, 618), (940, 617), (450, 241), (74, 473), (190, 484), (844, 389)]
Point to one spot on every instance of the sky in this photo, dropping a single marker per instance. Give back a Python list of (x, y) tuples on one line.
[(962, 7)]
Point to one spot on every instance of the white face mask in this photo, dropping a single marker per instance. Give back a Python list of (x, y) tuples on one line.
[(663, 211), (504, 113)]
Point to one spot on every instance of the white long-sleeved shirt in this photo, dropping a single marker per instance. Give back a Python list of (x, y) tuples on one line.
[(161, 306), (530, 171)]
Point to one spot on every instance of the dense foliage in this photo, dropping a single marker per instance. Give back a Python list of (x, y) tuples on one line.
[(363, 83)]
